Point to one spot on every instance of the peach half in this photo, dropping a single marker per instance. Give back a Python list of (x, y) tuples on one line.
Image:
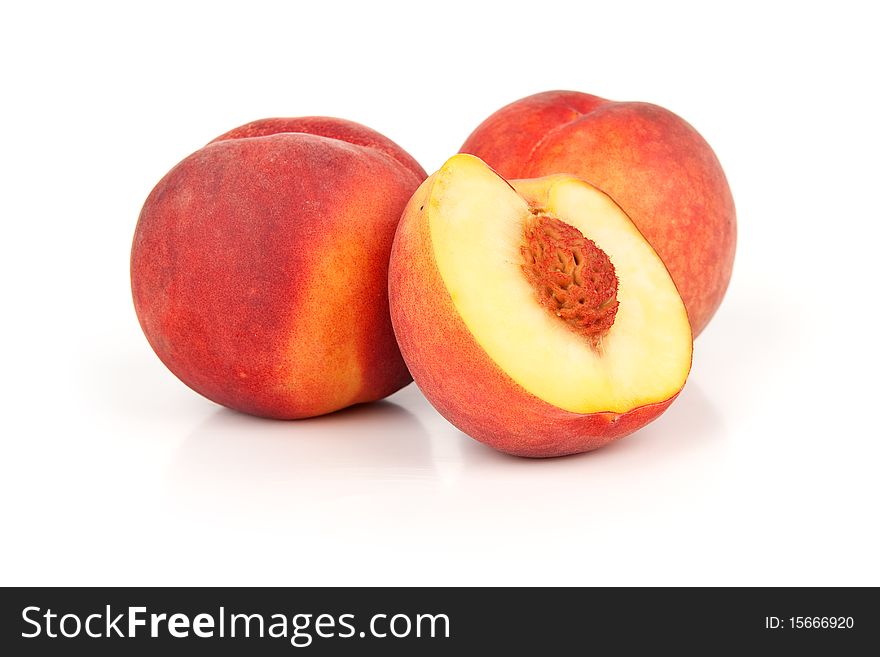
[(533, 314)]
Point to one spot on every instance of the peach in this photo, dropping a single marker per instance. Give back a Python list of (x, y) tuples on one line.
[(259, 266), (533, 314), (656, 166)]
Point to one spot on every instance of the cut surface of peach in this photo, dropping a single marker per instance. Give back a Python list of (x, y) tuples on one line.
[(552, 341)]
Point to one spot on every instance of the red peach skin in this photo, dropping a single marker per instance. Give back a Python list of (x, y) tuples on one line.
[(259, 266)]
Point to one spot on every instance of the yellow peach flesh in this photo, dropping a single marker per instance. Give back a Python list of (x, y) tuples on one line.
[(476, 226)]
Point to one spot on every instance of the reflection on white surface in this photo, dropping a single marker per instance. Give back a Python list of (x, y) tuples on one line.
[(397, 465), (233, 462)]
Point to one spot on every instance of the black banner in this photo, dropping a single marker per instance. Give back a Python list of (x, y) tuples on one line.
[(437, 621)]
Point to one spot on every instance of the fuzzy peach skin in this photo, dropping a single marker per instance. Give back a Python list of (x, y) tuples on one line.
[(259, 266), (458, 377), (651, 162)]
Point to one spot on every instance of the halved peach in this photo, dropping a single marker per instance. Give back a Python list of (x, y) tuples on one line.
[(533, 314)]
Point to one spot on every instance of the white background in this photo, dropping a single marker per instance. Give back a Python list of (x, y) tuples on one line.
[(765, 471)]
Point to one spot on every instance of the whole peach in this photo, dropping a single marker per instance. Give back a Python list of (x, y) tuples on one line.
[(259, 266)]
